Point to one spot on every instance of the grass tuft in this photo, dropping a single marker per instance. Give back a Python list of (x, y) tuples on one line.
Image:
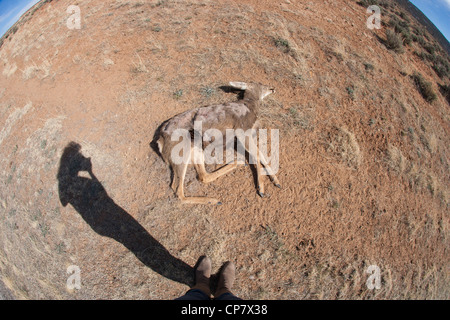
[(394, 41), (424, 87)]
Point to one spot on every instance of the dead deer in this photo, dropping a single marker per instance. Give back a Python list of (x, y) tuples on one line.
[(242, 114)]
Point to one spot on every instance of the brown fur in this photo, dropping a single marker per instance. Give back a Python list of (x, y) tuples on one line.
[(235, 115)]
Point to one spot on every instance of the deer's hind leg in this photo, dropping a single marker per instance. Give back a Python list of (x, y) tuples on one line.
[(207, 177), (179, 174)]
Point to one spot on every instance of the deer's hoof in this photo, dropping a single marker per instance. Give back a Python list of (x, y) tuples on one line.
[(215, 202), (262, 195), (278, 185)]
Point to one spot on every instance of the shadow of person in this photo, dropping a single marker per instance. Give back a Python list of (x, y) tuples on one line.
[(90, 199)]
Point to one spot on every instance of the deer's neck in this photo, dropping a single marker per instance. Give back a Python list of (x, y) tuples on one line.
[(252, 104)]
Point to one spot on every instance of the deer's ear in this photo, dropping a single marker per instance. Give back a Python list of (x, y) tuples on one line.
[(265, 94), (239, 85)]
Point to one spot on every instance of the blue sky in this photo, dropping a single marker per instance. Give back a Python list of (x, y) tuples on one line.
[(438, 11), (10, 12)]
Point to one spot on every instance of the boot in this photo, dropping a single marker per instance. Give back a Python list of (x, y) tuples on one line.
[(226, 279), (202, 275)]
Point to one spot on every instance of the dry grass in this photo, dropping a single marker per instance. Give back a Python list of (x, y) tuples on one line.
[(9, 69), (425, 87), (417, 176), (343, 144), (40, 71), (394, 41), (395, 159), (138, 66)]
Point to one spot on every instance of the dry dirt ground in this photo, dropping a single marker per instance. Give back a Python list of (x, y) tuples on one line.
[(363, 156)]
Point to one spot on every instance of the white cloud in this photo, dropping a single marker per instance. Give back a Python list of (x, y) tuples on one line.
[(446, 3), (437, 3)]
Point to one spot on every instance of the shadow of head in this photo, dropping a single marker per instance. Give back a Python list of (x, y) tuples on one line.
[(71, 163)]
